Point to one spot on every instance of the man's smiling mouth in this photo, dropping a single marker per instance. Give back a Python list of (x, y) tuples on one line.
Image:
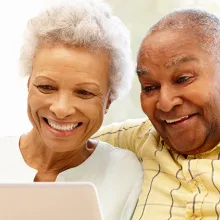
[(178, 120)]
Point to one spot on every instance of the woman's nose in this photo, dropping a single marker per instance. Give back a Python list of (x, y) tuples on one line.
[(63, 107)]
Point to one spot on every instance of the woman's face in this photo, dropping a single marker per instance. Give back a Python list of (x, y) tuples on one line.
[(68, 95)]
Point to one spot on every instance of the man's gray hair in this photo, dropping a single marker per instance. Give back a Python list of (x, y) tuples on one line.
[(82, 23), (202, 25)]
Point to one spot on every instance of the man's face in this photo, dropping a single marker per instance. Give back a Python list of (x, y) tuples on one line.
[(180, 90), (68, 95)]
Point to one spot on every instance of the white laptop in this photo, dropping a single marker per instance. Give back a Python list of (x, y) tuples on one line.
[(49, 201)]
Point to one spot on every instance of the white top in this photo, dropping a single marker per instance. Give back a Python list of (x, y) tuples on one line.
[(116, 173)]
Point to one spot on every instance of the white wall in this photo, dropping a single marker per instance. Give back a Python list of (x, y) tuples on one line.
[(138, 15), (13, 17)]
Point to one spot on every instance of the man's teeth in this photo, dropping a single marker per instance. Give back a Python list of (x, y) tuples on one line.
[(176, 120), (59, 127)]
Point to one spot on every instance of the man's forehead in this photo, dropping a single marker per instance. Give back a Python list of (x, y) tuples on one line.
[(168, 55), (176, 61), (167, 44), (165, 37)]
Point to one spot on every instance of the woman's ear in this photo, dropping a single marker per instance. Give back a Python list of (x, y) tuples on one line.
[(109, 102), (28, 82)]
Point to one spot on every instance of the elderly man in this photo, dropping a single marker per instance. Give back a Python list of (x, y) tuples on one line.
[(178, 67)]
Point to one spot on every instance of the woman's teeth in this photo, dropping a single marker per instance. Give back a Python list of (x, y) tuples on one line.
[(59, 127)]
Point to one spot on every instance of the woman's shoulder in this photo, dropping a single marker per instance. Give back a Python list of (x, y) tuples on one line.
[(107, 148)]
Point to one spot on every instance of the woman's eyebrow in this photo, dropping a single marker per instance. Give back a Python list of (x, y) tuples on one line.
[(44, 77)]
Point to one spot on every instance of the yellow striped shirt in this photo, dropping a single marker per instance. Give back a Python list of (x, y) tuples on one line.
[(175, 187)]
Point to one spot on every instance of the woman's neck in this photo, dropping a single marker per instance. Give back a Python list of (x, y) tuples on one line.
[(40, 157)]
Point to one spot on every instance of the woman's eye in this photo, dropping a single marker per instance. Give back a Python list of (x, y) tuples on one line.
[(182, 79), (45, 88), (85, 94)]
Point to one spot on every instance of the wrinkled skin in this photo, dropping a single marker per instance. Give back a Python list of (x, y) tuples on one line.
[(180, 90)]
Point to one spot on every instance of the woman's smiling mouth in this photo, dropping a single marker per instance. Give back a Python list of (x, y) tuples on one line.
[(61, 126)]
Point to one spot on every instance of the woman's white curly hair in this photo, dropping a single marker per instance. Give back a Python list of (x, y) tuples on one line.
[(83, 23)]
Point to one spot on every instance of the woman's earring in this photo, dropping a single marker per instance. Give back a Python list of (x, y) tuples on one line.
[(106, 110)]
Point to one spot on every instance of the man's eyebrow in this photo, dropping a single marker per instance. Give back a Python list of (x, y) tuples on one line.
[(142, 72), (181, 59)]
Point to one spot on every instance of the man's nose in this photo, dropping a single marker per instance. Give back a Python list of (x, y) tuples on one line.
[(168, 99), (63, 106)]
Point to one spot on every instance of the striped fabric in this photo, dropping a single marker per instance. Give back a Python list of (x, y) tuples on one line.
[(175, 187)]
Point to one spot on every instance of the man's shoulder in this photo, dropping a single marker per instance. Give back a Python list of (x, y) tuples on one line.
[(134, 123), (128, 126)]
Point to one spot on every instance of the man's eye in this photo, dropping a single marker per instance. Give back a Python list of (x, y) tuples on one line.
[(182, 79), (148, 89)]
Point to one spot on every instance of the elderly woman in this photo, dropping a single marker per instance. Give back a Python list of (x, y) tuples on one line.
[(77, 57)]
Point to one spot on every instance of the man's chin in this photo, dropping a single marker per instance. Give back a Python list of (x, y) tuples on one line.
[(183, 149)]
